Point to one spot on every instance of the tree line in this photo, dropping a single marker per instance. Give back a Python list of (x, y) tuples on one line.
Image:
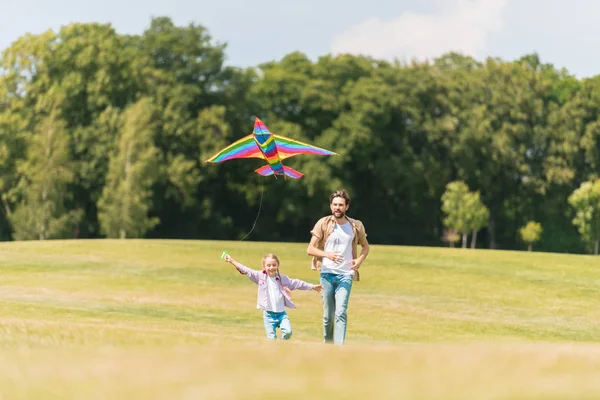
[(105, 135)]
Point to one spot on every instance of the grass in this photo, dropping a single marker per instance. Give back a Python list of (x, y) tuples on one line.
[(170, 319)]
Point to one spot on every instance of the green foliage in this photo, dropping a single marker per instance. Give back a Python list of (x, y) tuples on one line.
[(521, 134), (478, 216), (531, 233), (453, 205), (586, 202), (464, 210), (123, 208), (44, 177)]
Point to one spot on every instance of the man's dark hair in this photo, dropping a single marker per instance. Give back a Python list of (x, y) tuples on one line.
[(340, 193)]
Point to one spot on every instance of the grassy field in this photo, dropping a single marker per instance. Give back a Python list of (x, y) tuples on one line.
[(170, 319)]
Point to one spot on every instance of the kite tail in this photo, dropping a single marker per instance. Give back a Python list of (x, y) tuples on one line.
[(292, 173), (265, 170)]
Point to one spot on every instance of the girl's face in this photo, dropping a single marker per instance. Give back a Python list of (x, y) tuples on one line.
[(271, 266)]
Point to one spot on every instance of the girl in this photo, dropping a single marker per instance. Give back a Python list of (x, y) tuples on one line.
[(273, 293)]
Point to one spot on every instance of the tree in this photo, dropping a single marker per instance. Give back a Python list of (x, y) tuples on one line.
[(586, 202), (477, 214), (14, 130), (126, 199), (453, 205), (450, 236), (531, 233), (464, 211), (521, 133), (45, 175)]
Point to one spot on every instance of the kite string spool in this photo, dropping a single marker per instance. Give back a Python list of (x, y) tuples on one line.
[(259, 208)]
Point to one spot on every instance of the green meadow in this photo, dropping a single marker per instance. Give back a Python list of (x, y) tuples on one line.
[(158, 319)]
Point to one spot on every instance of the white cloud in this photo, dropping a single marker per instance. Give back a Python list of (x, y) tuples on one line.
[(464, 27)]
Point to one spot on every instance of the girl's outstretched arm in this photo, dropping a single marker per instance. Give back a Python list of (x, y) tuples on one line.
[(298, 284), (252, 274)]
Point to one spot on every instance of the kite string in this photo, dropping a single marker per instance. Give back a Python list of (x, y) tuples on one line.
[(259, 208)]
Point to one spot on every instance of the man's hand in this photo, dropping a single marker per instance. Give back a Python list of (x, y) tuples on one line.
[(335, 257), (355, 264)]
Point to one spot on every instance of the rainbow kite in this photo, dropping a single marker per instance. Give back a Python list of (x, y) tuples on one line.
[(274, 148)]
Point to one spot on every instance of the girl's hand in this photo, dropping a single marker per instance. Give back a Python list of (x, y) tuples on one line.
[(228, 258), (318, 288)]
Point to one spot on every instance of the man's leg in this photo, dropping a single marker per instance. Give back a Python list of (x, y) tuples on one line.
[(328, 306), (286, 327), (270, 325), (342, 295)]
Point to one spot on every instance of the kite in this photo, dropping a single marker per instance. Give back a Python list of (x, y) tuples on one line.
[(270, 147)]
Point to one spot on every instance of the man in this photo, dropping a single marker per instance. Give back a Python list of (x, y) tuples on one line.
[(333, 246)]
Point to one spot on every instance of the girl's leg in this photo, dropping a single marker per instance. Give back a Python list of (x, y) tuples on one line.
[(270, 325), (286, 327)]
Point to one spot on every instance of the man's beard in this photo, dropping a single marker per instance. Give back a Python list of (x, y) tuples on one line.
[(341, 214)]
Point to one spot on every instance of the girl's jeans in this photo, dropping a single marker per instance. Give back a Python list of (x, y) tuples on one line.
[(274, 320)]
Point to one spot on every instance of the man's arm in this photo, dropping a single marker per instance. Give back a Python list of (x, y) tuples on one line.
[(364, 251), (312, 249)]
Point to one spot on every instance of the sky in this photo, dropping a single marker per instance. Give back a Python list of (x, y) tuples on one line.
[(564, 33)]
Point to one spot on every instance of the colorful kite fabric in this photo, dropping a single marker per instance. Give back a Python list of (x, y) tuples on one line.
[(244, 148), (270, 147), (288, 147)]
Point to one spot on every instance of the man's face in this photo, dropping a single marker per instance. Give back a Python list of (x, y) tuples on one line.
[(338, 207)]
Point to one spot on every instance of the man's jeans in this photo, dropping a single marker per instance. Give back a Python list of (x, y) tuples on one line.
[(274, 320), (336, 292)]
